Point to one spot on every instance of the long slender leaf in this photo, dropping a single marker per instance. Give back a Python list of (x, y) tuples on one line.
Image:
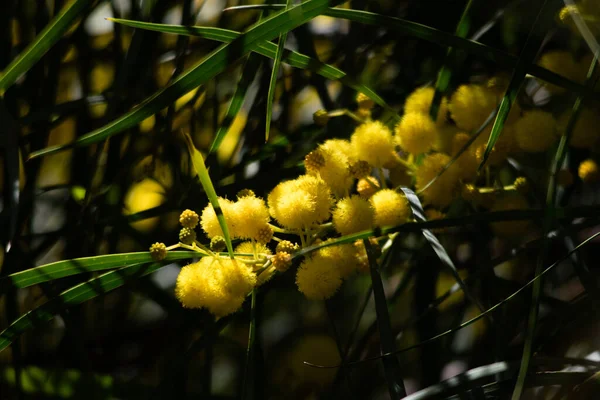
[(73, 296), (211, 65), (209, 189), (445, 75), (391, 365), (419, 214), (526, 58), (42, 43), (248, 75), (265, 48), (61, 269), (274, 73)]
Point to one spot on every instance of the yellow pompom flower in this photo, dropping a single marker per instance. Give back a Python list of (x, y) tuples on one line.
[(589, 171), (210, 223), (373, 143), (441, 192), (352, 214), (562, 63), (342, 257), (334, 169), (466, 163), (420, 101), (535, 131), (586, 130), (300, 203), (416, 133), (317, 279), (367, 187), (391, 208), (252, 248), (251, 217), (510, 228), (471, 105), (217, 284)]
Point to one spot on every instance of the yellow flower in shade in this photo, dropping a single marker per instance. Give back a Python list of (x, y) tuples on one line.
[(562, 63), (471, 105), (507, 202), (466, 163), (210, 223), (251, 216), (391, 208), (252, 248), (367, 187), (352, 214), (142, 196), (588, 171), (441, 192), (317, 279), (301, 203), (416, 133), (342, 257), (334, 170), (586, 130), (535, 131), (217, 284), (420, 101), (399, 176), (373, 142)]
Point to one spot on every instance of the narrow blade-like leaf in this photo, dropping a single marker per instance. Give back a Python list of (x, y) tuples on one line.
[(42, 43), (73, 296), (61, 269)]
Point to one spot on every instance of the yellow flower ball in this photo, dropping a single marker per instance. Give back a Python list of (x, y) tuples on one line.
[(252, 248), (471, 105), (335, 169), (510, 228), (586, 131), (416, 133), (352, 214), (301, 203), (366, 187), (391, 208), (250, 215), (143, 196), (210, 223), (466, 163), (535, 131), (441, 192), (420, 101), (342, 257), (373, 143), (217, 284), (562, 63), (589, 171), (317, 279)]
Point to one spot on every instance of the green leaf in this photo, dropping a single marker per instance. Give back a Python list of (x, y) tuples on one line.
[(274, 73), (248, 75), (61, 269), (211, 65), (42, 43), (445, 74), (73, 296), (419, 215), (265, 48), (391, 366), (209, 189), (526, 58)]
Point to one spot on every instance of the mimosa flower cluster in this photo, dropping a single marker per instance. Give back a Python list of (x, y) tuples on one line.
[(351, 185)]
